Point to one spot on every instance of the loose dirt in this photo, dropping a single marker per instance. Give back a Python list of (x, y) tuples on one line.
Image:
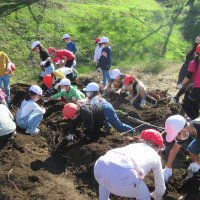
[(49, 167)]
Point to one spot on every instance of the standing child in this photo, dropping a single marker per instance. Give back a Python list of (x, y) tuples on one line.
[(71, 46), (105, 60), (46, 63), (30, 114)]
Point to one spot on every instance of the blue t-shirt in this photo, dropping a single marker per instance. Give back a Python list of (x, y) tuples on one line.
[(71, 46)]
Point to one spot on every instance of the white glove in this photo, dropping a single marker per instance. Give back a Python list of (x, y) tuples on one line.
[(43, 63), (167, 173), (69, 137), (143, 102), (132, 101), (99, 70), (179, 86), (194, 167)]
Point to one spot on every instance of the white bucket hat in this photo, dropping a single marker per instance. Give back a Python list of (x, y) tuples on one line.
[(65, 36), (65, 82), (36, 89), (173, 126), (91, 87), (115, 73), (34, 44)]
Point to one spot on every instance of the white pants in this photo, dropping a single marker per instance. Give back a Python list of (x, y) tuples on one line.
[(118, 180)]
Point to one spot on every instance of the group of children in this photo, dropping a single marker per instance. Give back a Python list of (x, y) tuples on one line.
[(120, 171)]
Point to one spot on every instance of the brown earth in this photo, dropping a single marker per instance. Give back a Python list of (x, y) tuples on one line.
[(48, 167)]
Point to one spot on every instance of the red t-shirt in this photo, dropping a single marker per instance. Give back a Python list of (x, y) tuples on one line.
[(66, 53), (195, 74)]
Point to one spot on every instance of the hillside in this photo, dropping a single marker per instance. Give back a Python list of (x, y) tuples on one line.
[(145, 31)]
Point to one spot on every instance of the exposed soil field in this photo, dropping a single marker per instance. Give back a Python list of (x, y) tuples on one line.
[(49, 167)]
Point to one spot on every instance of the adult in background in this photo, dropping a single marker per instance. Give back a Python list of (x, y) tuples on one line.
[(46, 63), (121, 171), (7, 125), (65, 55), (191, 101), (97, 52), (105, 60), (71, 46), (178, 129), (183, 71), (5, 71)]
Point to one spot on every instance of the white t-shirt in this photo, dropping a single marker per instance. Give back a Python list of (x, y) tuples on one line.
[(97, 53), (32, 107), (145, 157), (7, 125)]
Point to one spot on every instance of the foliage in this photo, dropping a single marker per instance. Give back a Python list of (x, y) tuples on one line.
[(138, 32)]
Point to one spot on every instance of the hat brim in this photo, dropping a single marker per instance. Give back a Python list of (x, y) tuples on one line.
[(170, 138)]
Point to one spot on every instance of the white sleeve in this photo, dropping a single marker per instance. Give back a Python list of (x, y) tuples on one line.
[(38, 109), (159, 180), (96, 55), (9, 66)]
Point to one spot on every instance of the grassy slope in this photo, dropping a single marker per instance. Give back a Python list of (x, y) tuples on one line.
[(137, 31)]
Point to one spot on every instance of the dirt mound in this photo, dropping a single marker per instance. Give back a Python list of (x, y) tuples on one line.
[(49, 167)]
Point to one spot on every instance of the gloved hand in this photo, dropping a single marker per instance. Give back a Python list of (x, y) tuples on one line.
[(43, 63), (142, 103), (167, 173), (69, 137), (99, 70), (179, 86), (194, 167)]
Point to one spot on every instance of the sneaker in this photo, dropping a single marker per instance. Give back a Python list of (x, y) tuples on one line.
[(33, 133), (69, 137)]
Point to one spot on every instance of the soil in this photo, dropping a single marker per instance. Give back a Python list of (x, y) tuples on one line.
[(49, 167)]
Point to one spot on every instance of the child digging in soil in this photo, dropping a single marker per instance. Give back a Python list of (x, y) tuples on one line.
[(178, 129), (121, 171), (30, 114), (111, 118), (69, 92), (137, 91)]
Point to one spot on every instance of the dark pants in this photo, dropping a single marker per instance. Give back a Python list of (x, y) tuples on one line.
[(5, 138), (191, 103), (69, 63)]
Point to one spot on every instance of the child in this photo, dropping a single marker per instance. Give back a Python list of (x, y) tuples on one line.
[(111, 118), (178, 129), (105, 60), (71, 46), (121, 171), (69, 92), (7, 125), (46, 63), (30, 114), (136, 89)]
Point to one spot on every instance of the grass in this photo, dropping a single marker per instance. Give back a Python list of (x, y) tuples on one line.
[(144, 32)]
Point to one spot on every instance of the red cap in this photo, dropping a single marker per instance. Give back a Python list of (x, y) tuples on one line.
[(51, 49), (13, 68), (97, 40), (47, 80), (69, 110), (198, 49), (153, 136), (128, 80)]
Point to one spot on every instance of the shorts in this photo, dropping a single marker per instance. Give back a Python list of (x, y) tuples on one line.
[(194, 147)]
